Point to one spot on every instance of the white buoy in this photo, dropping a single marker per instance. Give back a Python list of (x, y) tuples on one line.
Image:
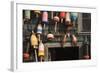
[(27, 14)]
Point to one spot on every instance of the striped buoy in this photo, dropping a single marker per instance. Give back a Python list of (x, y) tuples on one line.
[(39, 29)]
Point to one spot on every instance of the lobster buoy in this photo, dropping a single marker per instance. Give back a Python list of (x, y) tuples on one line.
[(26, 56), (27, 14), (74, 39), (45, 16), (50, 36), (39, 29), (41, 51), (56, 20), (45, 19), (64, 40), (62, 16), (74, 16), (68, 19), (68, 34), (34, 43), (34, 40)]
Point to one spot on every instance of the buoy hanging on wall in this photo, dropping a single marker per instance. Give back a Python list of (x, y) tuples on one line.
[(74, 39), (41, 51), (34, 43), (62, 16), (64, 40), (27, 14), (56, 20), (67, 18), (39, 31), (74, 16), (45, 18), (26, 54), (50, 36), (34, 40)]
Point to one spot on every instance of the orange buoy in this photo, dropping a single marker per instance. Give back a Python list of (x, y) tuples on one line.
[(62, 16)]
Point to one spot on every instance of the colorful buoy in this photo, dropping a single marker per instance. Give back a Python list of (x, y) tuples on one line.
[(74, 16), (68, 19), (26, 56), (50, 36), (39, 29), (34, 40), (41, 51), (62, 16), (56, 20), (74, 39)]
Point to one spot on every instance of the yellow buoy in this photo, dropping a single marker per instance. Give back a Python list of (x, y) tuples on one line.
[(41, 49), (34, 40)]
